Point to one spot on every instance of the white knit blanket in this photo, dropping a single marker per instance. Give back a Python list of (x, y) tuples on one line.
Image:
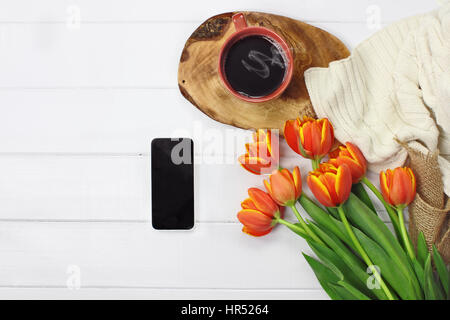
[(396, 84)]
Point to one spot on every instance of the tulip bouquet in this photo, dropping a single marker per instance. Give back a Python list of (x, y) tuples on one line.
[(358, 257)]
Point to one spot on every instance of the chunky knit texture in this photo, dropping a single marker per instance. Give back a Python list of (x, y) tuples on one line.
[(395, 85)]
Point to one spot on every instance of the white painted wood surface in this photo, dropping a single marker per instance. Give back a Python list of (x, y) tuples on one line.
[(84, 87)]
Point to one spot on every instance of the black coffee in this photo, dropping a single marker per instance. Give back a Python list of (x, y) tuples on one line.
[(255, 66)]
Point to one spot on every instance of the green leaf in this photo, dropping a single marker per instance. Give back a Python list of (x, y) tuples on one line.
[(333, 212), (362, 218), (302, 234), (387, 267), (431, 289), (323, 219), (348, 257), (325, 277), (359, 190), (389, 209), (418, 269), (355, 292), (400, 281), (327, 258), (343, 292), (422, 249), (335, 263), (441, 269)]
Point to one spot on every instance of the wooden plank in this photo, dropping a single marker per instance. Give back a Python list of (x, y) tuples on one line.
[(93, 188), (105, 56), (74, 188), (128, 255), (99, 55), (13, 293), (176, 10), (105, 121), (117, 188)]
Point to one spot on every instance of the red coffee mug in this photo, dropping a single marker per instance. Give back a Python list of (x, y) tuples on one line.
[(243, 31)]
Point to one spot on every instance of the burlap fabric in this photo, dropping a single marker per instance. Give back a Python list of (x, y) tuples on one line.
[(429, 212)]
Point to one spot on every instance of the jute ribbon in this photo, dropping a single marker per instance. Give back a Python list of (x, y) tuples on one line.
[(429, 212)]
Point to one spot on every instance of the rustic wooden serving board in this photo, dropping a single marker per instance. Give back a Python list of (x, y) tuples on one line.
[(199, 81)]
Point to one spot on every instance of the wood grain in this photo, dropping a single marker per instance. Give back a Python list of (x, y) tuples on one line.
[(199, 81)]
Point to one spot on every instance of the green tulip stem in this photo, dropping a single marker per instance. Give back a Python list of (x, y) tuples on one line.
[(305, 226), (363, 254), (293, 227), (391, 212), (404, 233), (315, 163)]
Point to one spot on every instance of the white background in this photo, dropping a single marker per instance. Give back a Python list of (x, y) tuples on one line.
[(84, 87)]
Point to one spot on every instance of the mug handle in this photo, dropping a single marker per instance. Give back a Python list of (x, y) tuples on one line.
[(239, 21)]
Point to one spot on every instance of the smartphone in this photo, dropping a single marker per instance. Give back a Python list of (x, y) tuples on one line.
[(172, 183)]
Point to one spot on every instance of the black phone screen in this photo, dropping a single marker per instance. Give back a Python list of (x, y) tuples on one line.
[(172, 183)]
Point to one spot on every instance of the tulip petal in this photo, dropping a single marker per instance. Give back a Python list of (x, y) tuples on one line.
[(273, 145), (329, 181), (356, 170), (326, 137), (343, 183), (258, 150), (253, 164), (263, 202), (320, 191), (255, 220), (252, 149), (268, 187), (297, 182), (282, 187), (316, 137), (357, 155), (413, 185), (400, 187), (307, 139), (287, 175), (333, 154), (385, 185), (255, 233), (333, 162), (248, 204), (291, 134)]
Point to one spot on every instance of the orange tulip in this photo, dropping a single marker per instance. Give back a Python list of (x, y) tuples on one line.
[(259, 213), (284, 187), (262, 154), (310, 138), (333, 154), (398, 186), (330, 185), (353, 157)]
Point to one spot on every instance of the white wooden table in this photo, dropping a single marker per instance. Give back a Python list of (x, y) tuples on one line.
[(84, 87)]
